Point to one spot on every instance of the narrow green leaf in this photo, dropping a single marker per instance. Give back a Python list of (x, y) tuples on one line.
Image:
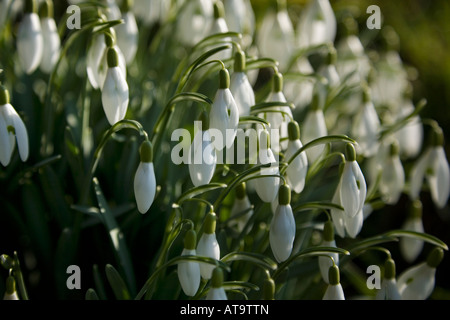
[(317, 205), (117, 284), (252, 119), (239, 285), (256, 258), (200, 190), (417, 235)]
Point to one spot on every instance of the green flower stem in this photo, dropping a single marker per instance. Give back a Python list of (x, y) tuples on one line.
[(17, 272)]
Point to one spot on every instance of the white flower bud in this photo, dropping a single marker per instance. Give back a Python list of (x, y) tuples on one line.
[(194, 21), (314, 127), (128, 36), (52, 44), (392, 177), (203, 159), (267, 187), (144, 179), (240, 87), (208, 246), (298, 168), (240, 18), (189, 272), (325, 263), (334, 290), (389, 290), (217, 292)]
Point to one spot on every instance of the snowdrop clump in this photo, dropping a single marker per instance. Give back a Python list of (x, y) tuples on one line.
[(310, 136)]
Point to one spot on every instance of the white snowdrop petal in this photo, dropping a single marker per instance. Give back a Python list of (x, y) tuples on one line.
[(115, 95), (30, 43), (242, 92), (366, 127), (417, 175), (20, 131), (189, 274), (267, 187), (410, 248), (208, 247), (334, 292), (93, 59), (350, 199), (297, 170), (392, 180), (52, 44), (353, 225), (417, 282), (439, 181), (203, 159), (128, 37), (5, 145), (240, 206), (144, 186), (282, 232), (224, 116), (216, 294), (388, 290), (325, 263), (314, 127)]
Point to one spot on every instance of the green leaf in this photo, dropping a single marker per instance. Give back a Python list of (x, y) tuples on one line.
[(117, 284), (215, 39), (239, 285), (417, 235), (116, 236), (317, 205), (91, 295), (252, 119), (261, 63), (199, 190), (256, 258)]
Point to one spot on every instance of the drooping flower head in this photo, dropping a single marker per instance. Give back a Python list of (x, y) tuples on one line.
[(10, 292), (128, 33), (144, 179), (298, 168), (189, 272), (411, 248), (217, 292), (267, 186), (242, 208), (52, 42), (334, 290), (389, 290), (328, 241), (208, 245), (240, 87), (12, 129)]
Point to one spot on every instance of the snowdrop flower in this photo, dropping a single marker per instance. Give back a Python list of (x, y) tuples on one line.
[(432, 165), (30, 42), (298, 168), (282, 227), (317, 24), (151, 12), (12, 128), (52, 43), (279, 120), (325, 263), (329, 71), (388, 290), (240, 87), (217, 292), (128, 33), (410, 137), (242, 207), (353, 187), (353, 225), (276, 35), (334, 290), (208, 245), (194, 20), (366, 127), (189, 272), (411, 248), (219, 25), (115, 92), (97, 58), (224, 115), (417, 282), (240, 18), (314, 127), (10, 292), (144, 179), (267, 187), (300, 91), (337, 215), (203, 156), (392, 176)]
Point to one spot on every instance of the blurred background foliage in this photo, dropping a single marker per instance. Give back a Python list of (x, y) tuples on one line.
[(423, 30)]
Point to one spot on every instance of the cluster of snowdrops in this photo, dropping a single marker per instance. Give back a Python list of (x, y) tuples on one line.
[(346, 122)]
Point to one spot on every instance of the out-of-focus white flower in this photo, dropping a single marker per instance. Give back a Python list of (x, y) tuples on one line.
[(282, 227), (153, 11), (325, 263), (298, 168), (189, 271), (240, 18), (242, 207), (97, 58), (12, 128), (317, 24), (275, 38), (217, 292), (208, 245), (52, 42), (203, 157), (224, 115), (353, 225), (115, 92), (300, 91), (314, 127), (194, 18), (337, 215), (417, 282), (329, 71), (267, 187), (30, 42), (392, 176), (334, 290), (366, 127), (219, 25), (410, 248), (10, 292), (388, 290), (144, 179), (433, 166), (112, 10), (240, 87), (128, 34), (353, 187)]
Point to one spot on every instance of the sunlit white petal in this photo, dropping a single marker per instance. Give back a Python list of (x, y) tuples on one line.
[(282, 232), (144, 186)]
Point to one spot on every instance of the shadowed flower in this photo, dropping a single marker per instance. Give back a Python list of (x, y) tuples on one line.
[(144, 179), (388, 290), (208, 245), (334, 290), (411, 248), (217, 292), (52, 42), (189, 272)]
